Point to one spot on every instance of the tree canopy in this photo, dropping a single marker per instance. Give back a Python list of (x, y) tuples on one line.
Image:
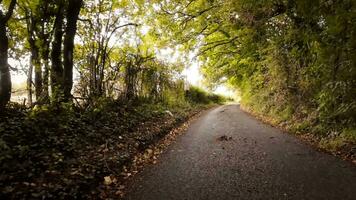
[(290, 57), (283, 56)]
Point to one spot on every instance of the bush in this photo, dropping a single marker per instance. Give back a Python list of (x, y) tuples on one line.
[(199, 96)]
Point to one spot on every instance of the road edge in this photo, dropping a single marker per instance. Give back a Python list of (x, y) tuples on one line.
[(306, 138), (151, 154)]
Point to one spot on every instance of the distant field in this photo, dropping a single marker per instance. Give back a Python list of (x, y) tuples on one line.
[(19, 92), (18, 98)]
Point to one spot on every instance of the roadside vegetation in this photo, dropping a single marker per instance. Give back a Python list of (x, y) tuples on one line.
[(293, 62), (64, 151)]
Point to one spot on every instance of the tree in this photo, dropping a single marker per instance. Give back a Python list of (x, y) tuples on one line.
[(101, 27), (31, 22), (293, 57), (36, 18), (72, 15), (5, 77), (62, 72)]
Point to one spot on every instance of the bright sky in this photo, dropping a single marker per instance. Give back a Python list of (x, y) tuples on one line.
[(192, 69), (192, 66), (17, 77), (193, 74)]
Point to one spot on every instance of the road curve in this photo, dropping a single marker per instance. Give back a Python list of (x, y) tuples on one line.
[(259, 162)]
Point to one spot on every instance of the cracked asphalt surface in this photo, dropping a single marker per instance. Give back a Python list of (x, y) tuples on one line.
[(259, 162)]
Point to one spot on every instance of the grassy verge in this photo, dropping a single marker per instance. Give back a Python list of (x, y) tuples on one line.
[(339, 141), (64, 153)]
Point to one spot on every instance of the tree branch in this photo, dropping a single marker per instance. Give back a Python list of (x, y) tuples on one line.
[(9, 11)]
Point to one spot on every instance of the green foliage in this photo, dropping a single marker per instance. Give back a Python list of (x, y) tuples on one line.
[(336, 140), (196, 95), (332, 144), (292, 61), (199, 96), (349, 135)]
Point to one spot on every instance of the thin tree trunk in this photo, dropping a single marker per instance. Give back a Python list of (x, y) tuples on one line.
[(92, 86), (44, 53), (38, 79), (35, 58), (36, 65), (29, 85), (45, 92)]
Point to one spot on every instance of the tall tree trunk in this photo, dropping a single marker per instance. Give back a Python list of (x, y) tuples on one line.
[(45, 92), (92, 75), (56, 58), (35, 57), (130, 81), (44, 37), (29, 85), (36, 65), (102, 75), (73, 11), (5, 77), (38, 78)]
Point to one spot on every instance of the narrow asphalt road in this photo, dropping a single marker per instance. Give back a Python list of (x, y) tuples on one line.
[(259, 162)]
